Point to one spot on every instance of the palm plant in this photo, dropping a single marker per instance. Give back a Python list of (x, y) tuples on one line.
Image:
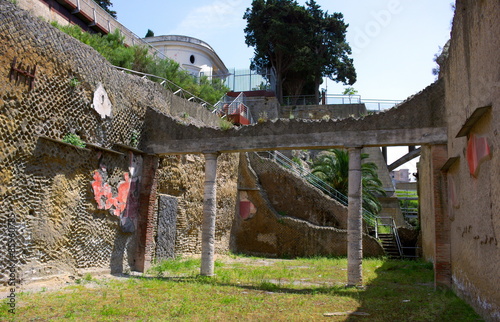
[(332, 167)]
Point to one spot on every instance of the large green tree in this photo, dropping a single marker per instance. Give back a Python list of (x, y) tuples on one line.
[(328, 49), (332, 167), (300, 44), (106, 4), (276, 30)]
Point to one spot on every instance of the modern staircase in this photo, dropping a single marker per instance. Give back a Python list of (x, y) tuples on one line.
[(387, 232), (390, 246), (302, 172)]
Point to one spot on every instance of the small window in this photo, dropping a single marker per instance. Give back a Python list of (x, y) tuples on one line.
[(191, 59)]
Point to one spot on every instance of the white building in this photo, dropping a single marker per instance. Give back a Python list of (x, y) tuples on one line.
[(402, 175), (194, 55)]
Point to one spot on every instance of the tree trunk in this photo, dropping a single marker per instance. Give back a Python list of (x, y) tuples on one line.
[(209, 212), (355, 221)]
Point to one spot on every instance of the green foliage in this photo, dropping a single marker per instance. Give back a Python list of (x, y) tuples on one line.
[(302, 44), (74, 139), (297, 160), (349, 91), (225, 125), (134, 138), (105, 4), (74, 82), (150, 33), (333, 168), (262, 117), (176, 265), (112, 47)]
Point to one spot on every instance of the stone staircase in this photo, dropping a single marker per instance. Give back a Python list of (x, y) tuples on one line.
[(390, 246)]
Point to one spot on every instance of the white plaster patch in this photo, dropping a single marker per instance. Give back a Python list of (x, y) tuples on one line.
[(101, 102), (267, 238), (469, 290)]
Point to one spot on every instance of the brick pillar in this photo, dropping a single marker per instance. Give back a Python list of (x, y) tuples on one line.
[(442, 251), (146, 222), (354, 220), (209, 212)]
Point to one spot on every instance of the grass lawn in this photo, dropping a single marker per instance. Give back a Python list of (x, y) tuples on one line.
[(250, 288)]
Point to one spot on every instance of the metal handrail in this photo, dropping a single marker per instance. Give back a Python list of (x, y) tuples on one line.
[(398, 241), (302, 172), (394, 230), (381, 104), (174, 88), (227, 106)]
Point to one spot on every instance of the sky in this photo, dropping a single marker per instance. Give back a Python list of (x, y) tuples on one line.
[(393, 41)]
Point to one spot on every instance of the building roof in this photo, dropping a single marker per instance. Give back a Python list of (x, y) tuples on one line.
[(193, 42)]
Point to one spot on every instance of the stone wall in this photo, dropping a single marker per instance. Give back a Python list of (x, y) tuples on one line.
[(472, 72), (331, 111), (288, 218), (63, 208), (183, 177), (462, 228)]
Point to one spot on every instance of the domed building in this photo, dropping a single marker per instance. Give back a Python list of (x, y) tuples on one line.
[(194, 55)]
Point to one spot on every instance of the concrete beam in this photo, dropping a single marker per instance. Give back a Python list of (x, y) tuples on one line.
[(414, 122), (311, 140), (405, 158)]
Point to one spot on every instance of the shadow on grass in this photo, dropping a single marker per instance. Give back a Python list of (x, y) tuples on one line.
[(404, 290), (400, 290)]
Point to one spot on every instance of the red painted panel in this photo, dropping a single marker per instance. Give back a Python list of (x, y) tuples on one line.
[(245, 209)]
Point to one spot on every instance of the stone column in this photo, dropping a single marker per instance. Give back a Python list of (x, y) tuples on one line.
[(355, 220), (209, 211)]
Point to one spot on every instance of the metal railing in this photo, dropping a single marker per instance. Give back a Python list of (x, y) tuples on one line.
[(248, 80), (371, 104), (229, 106), (302, 172), (174, 88), (394, 231), (389, 222), (108, 23)]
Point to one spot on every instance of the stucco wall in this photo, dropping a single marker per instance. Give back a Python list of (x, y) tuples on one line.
[(286, 217), (60, 206), (472, 73)]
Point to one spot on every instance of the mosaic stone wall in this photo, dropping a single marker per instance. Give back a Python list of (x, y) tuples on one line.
[(63, 208)]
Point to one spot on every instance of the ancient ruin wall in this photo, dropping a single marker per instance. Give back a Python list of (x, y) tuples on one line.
[(294, 197), (183, 177), (277, 225), (60, 206), (471, 74)]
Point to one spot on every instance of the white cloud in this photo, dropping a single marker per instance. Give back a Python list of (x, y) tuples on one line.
[(211, 18)]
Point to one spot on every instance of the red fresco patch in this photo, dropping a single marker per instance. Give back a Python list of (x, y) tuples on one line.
[(244, 209), (478, 150), (103, 194)]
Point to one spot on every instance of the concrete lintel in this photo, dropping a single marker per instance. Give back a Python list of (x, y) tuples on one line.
[(334, 139)]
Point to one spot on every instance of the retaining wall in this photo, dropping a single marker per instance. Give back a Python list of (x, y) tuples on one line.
[(64, 209)]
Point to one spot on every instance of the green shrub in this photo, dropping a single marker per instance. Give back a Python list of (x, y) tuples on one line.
[(112, 47), (74, 139), (225, 125)]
